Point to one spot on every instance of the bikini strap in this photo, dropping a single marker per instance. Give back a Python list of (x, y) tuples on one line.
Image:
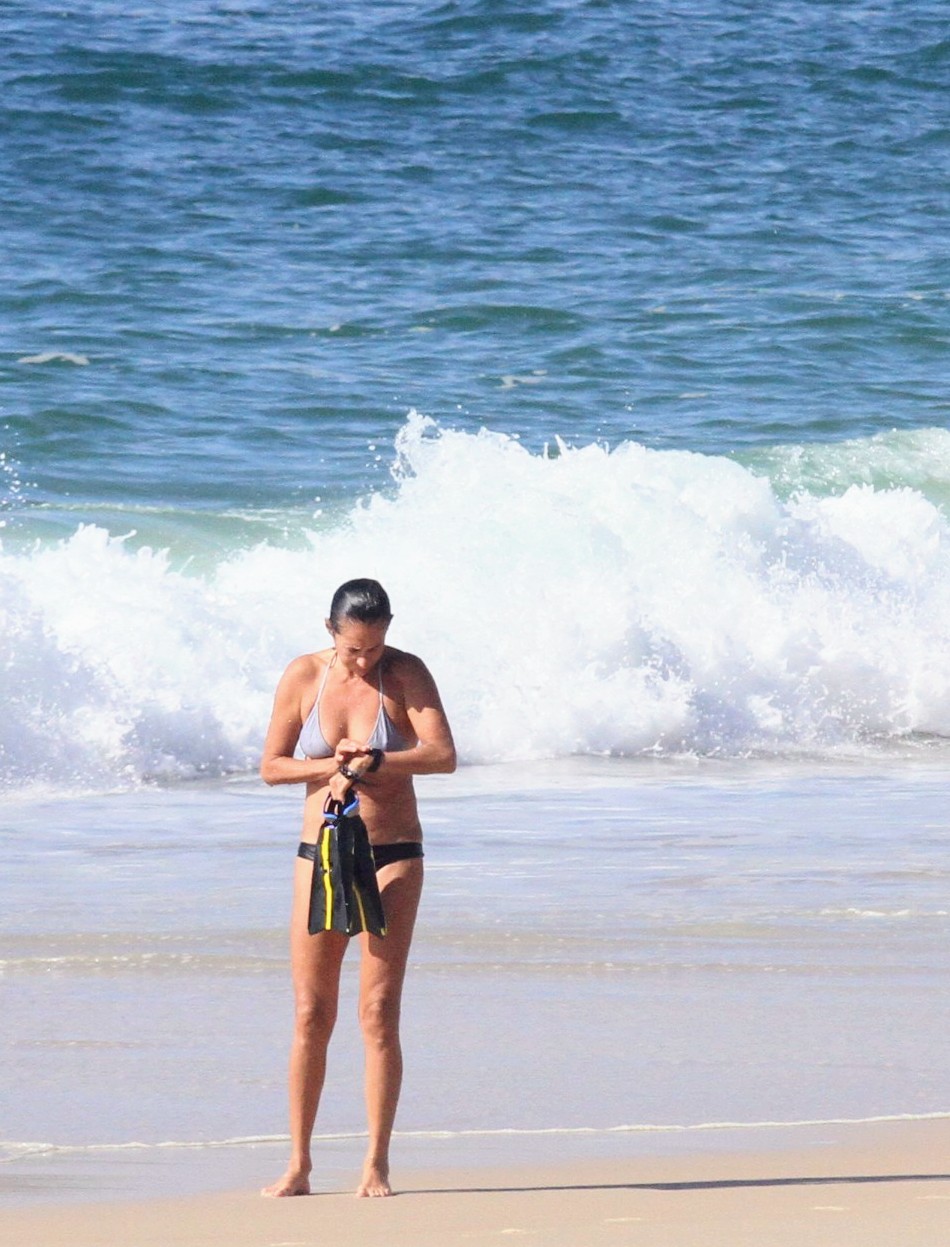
[(323, 682), (380, 684)]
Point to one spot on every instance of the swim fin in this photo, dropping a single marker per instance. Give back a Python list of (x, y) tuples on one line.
[(344, 894)]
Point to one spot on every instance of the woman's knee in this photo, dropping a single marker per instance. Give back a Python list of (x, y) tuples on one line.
[(315, 1018), (379, 1017)]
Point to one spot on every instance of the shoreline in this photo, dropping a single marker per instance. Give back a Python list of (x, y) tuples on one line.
[(875, 1183), (913, 759)]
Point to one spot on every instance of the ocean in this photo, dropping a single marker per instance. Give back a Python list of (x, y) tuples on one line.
[(613, 339)]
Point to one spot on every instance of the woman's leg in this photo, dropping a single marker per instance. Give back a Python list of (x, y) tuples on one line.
[(382, 971), (315, 966)]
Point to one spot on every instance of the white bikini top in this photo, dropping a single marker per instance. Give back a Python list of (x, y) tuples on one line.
[(385, 734)]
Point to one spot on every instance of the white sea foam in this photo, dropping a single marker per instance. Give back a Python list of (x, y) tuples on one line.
[(55, 357), (13, 1151), (578, 601)]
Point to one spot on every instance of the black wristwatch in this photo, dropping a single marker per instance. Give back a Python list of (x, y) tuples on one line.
[(353, 776)]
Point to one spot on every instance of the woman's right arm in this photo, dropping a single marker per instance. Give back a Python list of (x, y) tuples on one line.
[(278, 764)]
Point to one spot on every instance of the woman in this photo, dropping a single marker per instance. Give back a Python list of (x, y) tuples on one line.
[(368, 717)]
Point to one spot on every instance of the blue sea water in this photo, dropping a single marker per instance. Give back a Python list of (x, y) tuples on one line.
[(663, 283)]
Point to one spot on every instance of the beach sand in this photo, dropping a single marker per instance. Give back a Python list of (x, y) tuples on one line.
[(877, 1184)]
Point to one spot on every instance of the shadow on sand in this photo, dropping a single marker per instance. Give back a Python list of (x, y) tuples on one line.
[(713, 1184)]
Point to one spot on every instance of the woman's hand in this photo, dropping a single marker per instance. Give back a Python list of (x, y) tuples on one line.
[(339, 786), (346, 753), (347, 750)]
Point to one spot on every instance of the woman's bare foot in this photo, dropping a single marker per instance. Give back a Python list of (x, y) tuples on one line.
[(375, 1181), (294, 1182)]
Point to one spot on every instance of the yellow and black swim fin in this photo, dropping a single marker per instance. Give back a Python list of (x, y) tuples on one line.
[(344, 894)]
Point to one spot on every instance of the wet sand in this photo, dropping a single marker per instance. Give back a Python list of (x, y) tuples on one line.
[(878, 1184)]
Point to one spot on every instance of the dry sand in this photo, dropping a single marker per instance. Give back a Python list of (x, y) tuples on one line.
[(883, 1184)]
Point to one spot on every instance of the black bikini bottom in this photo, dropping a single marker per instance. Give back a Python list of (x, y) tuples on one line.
[(383, 854)]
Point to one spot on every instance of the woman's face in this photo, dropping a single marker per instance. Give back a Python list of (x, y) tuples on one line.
[(359, 646)]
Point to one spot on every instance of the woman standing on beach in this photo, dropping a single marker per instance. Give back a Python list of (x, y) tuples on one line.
[(369, 718)]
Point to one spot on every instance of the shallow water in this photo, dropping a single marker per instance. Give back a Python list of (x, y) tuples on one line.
[(635, 951)]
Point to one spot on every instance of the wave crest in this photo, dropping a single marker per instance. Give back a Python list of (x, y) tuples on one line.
[(580, 600)]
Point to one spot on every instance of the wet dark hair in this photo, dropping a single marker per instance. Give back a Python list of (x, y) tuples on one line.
[(366, 601)]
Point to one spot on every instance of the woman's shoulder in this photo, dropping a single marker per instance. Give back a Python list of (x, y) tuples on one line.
[(404, 667), (307, 666), (399, 660)]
